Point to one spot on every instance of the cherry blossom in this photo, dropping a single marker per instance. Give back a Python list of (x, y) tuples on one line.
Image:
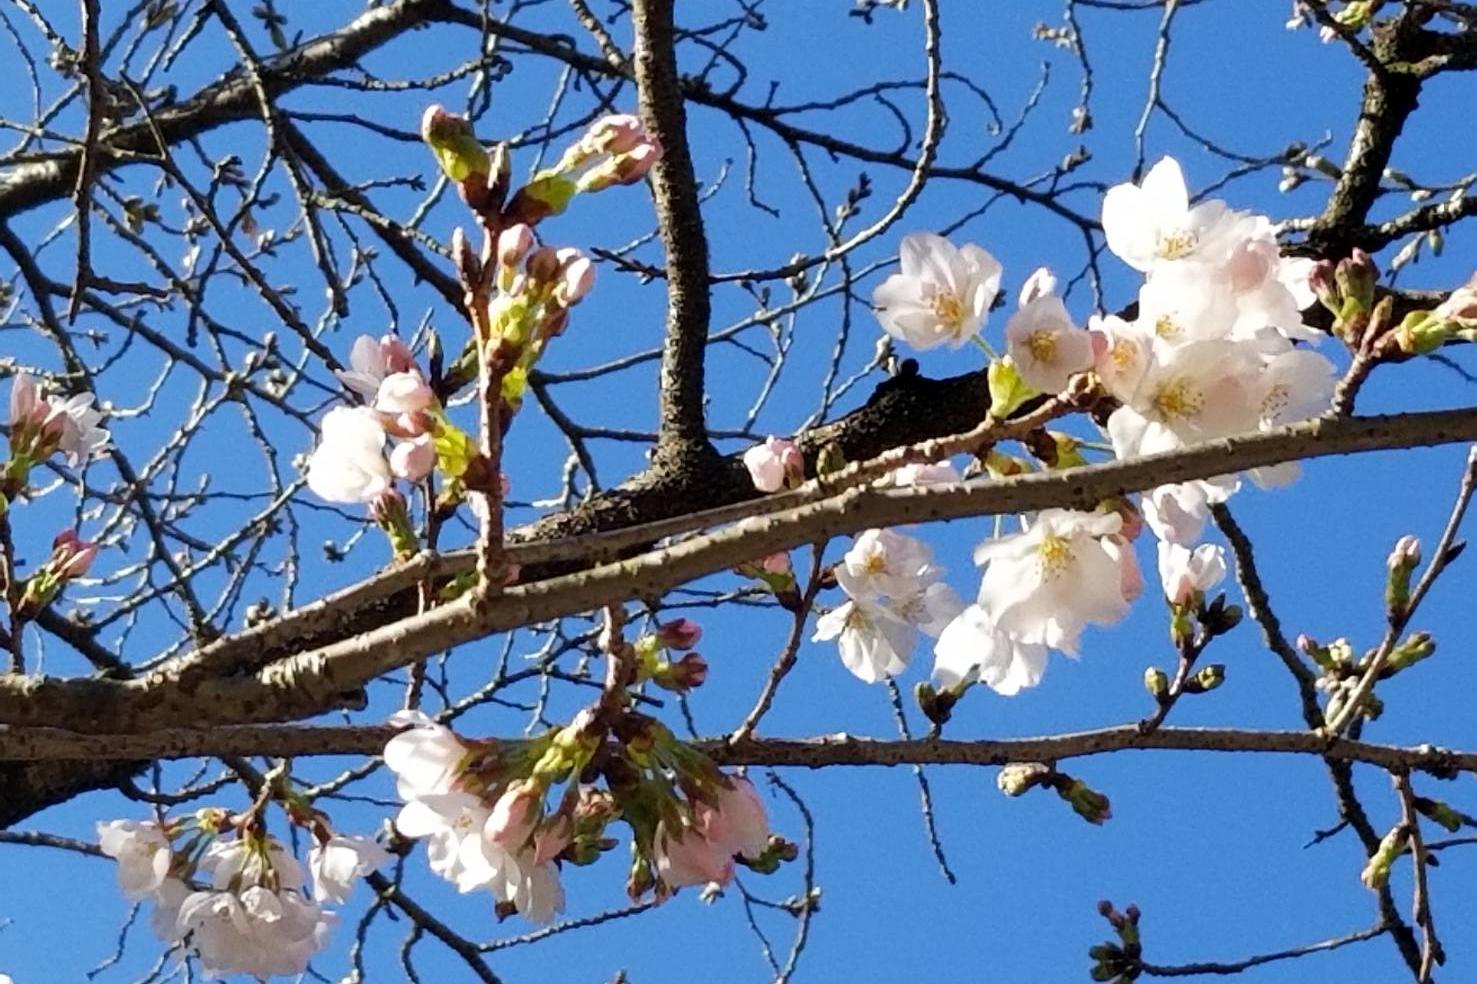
[(1046, 584), (885, 563), (1045, 345), (1187, 574), (142, 852), (349, 463), (941, 294), (875, 643), (257, 931), (972, 643), (1178, 512), (339, 862), (425, 757), (774, 464), (371, 360), (921, 473), (703, 851), (1153, 223)]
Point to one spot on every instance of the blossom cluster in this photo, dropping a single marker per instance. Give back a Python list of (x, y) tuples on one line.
[(239, 903), (43, 424), (1217, 348), (482, 807)]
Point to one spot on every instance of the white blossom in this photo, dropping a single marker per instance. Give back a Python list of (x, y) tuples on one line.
[(774, 464), (1046, 584), (425, 757), (886, 564), (1185, 573), (941, 294), (257, 931), (875, 643), (1046, 347), (1153, 223), (142, 852), (339, 862), (1178, 512), (972, 642), (349, 462)]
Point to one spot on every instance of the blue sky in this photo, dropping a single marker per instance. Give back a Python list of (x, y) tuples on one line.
[(1211, 848)]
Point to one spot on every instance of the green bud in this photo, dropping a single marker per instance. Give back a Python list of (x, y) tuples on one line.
[(1181, 628), (1416, 647), (1376, 873), (549, 193), (1007, 390), (1401, 563), (1422, 332), (1088, 803), (1206, 678), (937, 706), (1440, 812), (1156, 682)]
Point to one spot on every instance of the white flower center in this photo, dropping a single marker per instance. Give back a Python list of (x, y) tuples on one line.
[(1176, 244), (1178, 400), (949, 309), (1056, 555), (1042, 345)]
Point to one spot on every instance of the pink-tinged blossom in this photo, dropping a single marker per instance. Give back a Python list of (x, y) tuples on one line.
[(775, 464), (1121, 352), (340, 862), (413, 460), (1046, 584), (404, 392), (1178, 512), (875, 642), (941, 294), (618, 133), (919, 473), (1045, 345), (371, 360), (142, 852), (739, 818), (516, 815), (777, 563), (973, 643), (686, 857), (1461, 307), (884, 563), (1187, 574), (453, 825), (349, 463)]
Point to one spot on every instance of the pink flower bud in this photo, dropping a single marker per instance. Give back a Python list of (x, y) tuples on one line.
[(552, 838), (774, 464), (544, 264), (413, 460), (690, 671), (618, 133), (515, 815), (679, 634), (404, 392), (1041, 283), (777, 563), (71, 556), (513, 243), (579, 277)]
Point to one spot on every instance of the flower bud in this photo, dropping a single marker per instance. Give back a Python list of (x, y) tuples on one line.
[(390, 513), (1087, 803), (680, 634), (71, 556), (1321, 280), (1156, 682), (1461, 307), (513, 244), (1401, 563), (1206, 678), (1017, 778), (936, 705), (1007, 390), (689, 672), (1415, 648), (404, 392), (1376, 873), (1356, 277), (549, 193), (461, 157), (1440, 813), (413, 460), (777, 563)]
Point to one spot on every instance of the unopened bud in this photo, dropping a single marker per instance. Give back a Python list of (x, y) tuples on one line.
[(1422, 332), (1415, 648), (1156, 682), (1017, 778), (1376, 873), (936, 705), (1206, 678), (680, 634), (1401, 563), (1440, 813), (1088, 803), (1461, 306), (687, 673)]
